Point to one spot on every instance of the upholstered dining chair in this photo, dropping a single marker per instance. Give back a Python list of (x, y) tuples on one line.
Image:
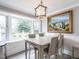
[(31, 35), (30, 46), (41, 34), (61, 45), (56, 47), (53, 48)]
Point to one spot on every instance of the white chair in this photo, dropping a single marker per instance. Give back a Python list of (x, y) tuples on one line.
[(41, 34), (53, 48), (61, 45), (32, 35), (57, 43), (30, 46)]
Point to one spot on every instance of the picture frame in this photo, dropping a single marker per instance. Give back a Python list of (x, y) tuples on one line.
[(62, 22)]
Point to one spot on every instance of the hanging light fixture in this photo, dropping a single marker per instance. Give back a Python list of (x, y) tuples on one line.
[(40, 10), (40, 13)]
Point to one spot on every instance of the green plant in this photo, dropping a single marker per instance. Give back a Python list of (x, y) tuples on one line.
[(24, 26)]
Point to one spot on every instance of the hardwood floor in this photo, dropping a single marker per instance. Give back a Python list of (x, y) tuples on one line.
[(67, 56), (22, 56)]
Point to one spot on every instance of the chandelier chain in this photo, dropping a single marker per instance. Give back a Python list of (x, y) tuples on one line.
[(41, 2)]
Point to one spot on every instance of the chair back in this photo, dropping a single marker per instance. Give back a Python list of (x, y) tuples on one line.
[(53, 46), (31, 35), (41, 34)]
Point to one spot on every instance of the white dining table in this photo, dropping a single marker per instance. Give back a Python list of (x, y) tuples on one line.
[(42, 42)]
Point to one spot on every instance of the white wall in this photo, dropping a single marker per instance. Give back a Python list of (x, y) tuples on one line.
[(75, 27), (75, 22)]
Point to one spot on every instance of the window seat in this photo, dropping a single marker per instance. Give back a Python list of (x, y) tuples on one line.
[(15, 46)]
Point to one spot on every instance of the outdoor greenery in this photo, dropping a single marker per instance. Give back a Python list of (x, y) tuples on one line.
[(24, 26)]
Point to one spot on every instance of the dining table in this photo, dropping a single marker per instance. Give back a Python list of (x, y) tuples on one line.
[(42, 42)]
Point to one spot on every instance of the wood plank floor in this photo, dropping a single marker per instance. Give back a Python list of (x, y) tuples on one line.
[(22, 56)]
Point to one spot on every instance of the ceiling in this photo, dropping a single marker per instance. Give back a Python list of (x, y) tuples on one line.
[(27, 6)]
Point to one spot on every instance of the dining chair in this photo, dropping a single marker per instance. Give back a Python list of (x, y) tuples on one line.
[(56, 46), (41, 34), (30, 46), (53, 48), (61, 46), (31, 35)]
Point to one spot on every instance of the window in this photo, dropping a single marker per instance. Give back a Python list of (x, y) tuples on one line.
[(20, 26), (36, 26), (16, 28), (24, 26), (2, 27)]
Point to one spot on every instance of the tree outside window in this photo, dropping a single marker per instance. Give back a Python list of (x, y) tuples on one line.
[(24, 26)]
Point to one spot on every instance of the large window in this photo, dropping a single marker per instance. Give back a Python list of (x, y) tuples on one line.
[(2, 27), (21, 25), (36, 26), (24, 25), (15, 28)]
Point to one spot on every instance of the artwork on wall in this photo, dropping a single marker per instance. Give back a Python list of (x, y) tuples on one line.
[(62, 22)]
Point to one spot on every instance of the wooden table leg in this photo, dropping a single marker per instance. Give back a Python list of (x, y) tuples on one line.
[(1, 51), (41, 53), (5, 52), (62, 53), (29, 51), (25, 50), (62, 49), (35, 53)]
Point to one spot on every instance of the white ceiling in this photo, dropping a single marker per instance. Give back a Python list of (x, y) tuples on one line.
[(27, 6)]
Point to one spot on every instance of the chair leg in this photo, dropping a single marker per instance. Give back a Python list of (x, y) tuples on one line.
[(25, 50), (29, 54), (38, 54), (5, 53), (1, 51), (45, 57), (29, 51), (56, 56), (72, 57), (62, 49), (35, 54), (48, 57), (62, 55)]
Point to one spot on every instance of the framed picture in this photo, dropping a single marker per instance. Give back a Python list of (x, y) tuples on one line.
[(62, 22)]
